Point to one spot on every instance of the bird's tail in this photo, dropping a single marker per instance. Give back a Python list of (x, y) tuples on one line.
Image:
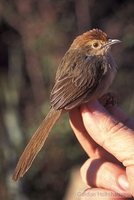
[(36, 143)]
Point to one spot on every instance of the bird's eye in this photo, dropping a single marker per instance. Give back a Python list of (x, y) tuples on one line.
[(95, 44)]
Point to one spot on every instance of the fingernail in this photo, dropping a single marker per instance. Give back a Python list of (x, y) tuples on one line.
[(123, 182)]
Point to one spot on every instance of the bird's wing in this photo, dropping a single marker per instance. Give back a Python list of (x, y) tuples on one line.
[(76, 79)]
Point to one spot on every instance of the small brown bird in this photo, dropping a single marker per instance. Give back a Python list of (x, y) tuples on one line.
[(84, 74)]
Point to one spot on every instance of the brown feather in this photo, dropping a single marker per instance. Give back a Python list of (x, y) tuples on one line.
[(94, 34), (74, 86), (36, 143), (83, 75)]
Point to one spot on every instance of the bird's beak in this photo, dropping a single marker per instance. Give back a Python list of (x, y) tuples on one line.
[(110, 42), (113, 41)]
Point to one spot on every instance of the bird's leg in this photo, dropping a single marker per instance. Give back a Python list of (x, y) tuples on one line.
[(109, 99)]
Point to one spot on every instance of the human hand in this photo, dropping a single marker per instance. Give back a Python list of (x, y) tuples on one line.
[(107, 136)]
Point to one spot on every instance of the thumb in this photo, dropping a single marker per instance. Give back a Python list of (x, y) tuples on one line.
[(111, 134)]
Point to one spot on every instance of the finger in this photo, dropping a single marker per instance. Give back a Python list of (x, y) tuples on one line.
[(116, 111), (130, 175), (102, 174), (109, 133), (113, 136), (121, 116), (99, 194), (88, 144)]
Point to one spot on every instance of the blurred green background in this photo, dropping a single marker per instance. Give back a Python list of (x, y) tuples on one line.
[(34, 35)]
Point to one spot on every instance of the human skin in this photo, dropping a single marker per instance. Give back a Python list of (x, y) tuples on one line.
[(107, 136)]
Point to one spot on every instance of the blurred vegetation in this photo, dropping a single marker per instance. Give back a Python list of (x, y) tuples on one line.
[(34, 35)]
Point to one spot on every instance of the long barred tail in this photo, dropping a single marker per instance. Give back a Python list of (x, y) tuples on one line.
[(36, 143)]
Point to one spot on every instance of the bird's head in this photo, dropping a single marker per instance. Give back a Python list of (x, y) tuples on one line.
[(95, 41)]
